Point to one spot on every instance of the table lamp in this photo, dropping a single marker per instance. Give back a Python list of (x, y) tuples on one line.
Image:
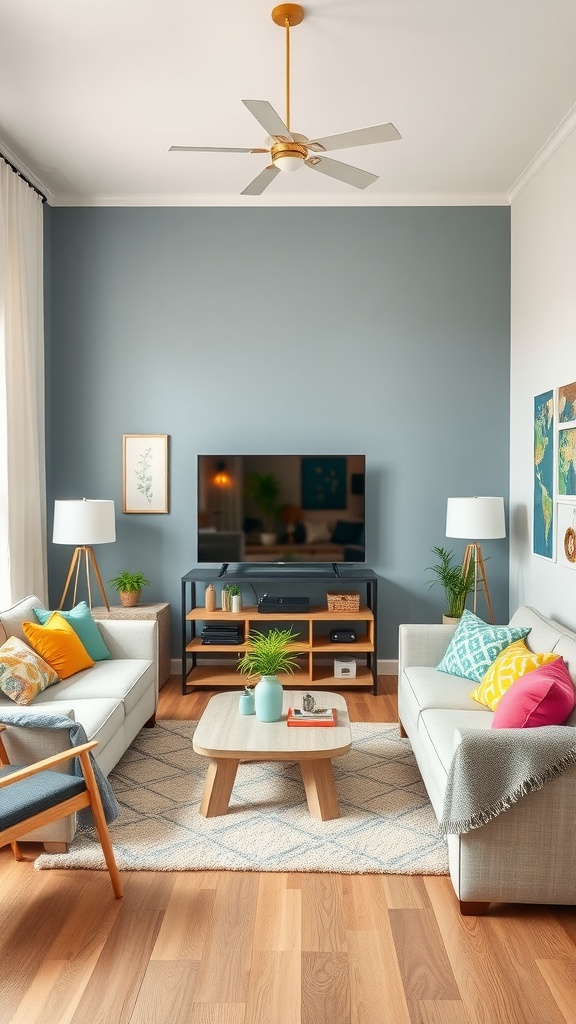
[(483, 519), (84, 522)]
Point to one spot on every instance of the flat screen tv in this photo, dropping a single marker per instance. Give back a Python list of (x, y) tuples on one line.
[(281, 509)]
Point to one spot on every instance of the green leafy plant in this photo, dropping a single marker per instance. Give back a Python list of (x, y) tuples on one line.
[(129, 582), (232, 589), (269, 653), (264, 490), (456, 586)]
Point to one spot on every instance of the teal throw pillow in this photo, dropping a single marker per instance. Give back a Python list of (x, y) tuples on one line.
[(476, 645), (80, 618)]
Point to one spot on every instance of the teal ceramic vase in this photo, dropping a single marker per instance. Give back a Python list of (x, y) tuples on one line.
[(268, 697), (246, 703)]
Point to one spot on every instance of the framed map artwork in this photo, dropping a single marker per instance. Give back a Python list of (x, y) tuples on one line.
[(543, 523), (567, 403)]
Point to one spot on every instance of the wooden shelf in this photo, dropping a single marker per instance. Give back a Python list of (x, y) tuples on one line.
[(215, 665)]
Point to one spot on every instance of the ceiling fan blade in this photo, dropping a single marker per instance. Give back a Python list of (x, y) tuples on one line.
[(360, 137), (344, 172), (213, 149), (261, 181), (271, 121)]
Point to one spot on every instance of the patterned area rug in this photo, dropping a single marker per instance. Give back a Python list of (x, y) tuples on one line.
[(386, 826)]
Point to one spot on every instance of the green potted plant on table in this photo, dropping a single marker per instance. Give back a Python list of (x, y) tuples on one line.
[(457, 586), (264, 490), (128, 586), (268, 654)]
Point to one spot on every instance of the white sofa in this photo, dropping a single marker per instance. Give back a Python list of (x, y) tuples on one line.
[(113, 701), (526, 854)]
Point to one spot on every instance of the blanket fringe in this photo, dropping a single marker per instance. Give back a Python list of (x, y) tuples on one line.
[(482, 817)]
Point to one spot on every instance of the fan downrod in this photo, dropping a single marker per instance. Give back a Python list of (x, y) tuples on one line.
[(291, 14)]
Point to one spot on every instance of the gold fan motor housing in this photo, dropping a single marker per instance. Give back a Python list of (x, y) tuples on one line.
[(288, 149), (293, 14)]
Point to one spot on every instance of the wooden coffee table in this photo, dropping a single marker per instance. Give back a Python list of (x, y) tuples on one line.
[(226, 737)]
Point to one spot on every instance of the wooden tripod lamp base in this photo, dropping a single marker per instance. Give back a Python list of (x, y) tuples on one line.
[(86, 553), (474, 551)]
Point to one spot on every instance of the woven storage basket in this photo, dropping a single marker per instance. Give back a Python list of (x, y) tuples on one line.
[(343, 602)]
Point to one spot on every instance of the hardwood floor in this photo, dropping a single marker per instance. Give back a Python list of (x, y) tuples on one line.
[(248, 948)]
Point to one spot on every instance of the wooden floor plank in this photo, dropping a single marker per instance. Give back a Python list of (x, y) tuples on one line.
[(424, 965), (187, 921), (274, 988), (166, 993), (225, 966), (560, 977), (322, 920), (325, 988)]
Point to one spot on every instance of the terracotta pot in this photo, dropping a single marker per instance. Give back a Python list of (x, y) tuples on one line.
[(129, 598)]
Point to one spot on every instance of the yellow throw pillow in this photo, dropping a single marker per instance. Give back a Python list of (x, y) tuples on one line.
[(515, 661), (59, 645)]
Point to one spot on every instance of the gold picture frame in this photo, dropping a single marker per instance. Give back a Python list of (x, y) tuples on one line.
[(145, 474)]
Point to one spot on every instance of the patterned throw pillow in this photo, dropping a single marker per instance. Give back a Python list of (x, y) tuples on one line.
[(515, 661), (80, 618), (23, 673), (59, 645), (476, 645)]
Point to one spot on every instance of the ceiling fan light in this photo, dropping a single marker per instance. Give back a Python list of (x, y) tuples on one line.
[(288, 163)]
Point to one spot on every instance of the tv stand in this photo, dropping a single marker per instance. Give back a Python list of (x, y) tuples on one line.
[(216, 665)]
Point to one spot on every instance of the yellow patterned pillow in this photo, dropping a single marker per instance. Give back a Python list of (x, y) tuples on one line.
[(515, 661), (59, 644), (23, 673)]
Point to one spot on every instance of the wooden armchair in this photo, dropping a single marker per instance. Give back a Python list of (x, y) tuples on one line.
[(40, 795)]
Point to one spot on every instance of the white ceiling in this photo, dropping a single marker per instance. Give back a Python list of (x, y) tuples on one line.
[(93, 93)]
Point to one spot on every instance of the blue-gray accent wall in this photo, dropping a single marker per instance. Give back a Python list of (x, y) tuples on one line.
[(316, 331)]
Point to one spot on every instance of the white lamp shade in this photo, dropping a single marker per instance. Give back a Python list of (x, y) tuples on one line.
[(475, 518), (84, 522)]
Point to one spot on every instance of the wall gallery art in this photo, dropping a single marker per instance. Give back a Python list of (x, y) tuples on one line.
[(554, 522), (145, 473)]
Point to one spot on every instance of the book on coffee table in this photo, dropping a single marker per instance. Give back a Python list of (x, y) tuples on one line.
[(319, 717)]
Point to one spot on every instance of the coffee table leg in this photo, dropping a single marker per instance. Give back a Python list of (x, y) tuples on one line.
[(320, 788), (218, 786)]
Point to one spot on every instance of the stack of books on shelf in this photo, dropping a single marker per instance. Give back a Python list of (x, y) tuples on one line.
[(319, 717), (222, 633)]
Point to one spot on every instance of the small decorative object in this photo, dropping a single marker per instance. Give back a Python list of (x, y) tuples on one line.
[(129, 586), (235, 593), (145, 473), (268, 654), (246, 703), (308, 702), (226, 597), (343, 602), (344, 668), (210, 598)]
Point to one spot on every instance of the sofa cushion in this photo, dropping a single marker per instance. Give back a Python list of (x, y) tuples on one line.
[(476, 645), (23, 672), (59, 645), (80, 618), (23, 611), (515, 661), (432, 689), (543, 697), (544, 633), (125, 679), (101, 717)]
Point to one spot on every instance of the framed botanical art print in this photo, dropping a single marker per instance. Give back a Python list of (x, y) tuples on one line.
[(145, 473)]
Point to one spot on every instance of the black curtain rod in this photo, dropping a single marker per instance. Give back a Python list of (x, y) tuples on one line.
[(24, 178)]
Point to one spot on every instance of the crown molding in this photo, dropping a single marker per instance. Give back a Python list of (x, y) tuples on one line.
[(555, 140), (21, 166), (247, 202)]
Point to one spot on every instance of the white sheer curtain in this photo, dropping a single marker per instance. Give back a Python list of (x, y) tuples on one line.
[(22, 474)]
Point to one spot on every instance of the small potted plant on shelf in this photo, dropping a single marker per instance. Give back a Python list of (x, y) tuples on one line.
[(128, 586), (235, 591), (267, 655), (456, 586)]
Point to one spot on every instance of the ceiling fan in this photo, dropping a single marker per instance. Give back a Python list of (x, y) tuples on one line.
[(289, 150)]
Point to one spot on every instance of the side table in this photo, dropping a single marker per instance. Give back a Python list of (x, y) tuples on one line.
[(160, 612)]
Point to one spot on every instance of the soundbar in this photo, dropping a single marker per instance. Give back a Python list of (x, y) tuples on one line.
[(283, 605)]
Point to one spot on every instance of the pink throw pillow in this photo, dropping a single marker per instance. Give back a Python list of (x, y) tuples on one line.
[(544, 696)]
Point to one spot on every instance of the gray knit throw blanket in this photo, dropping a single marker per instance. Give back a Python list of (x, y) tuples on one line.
[(493, 768), (39, 720)]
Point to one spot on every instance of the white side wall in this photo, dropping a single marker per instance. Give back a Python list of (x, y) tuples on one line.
[(543, 356)]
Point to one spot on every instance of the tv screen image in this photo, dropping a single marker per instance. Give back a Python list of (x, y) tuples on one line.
[(281, 508)]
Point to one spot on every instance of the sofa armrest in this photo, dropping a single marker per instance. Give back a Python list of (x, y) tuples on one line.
[(423, 644), (130, 638)]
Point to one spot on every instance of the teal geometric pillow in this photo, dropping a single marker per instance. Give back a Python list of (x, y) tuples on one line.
[(476, 645), (80, 618)]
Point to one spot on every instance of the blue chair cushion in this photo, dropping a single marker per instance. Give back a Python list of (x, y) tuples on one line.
[(31, 796)]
